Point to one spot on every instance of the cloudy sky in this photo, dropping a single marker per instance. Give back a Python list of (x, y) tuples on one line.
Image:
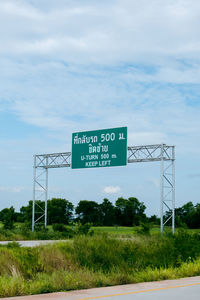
[(74, 65)]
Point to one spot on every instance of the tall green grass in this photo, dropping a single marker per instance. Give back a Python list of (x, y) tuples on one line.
[(97, 261), (104, 253)]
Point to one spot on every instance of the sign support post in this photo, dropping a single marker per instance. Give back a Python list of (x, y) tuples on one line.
[(161, 189)]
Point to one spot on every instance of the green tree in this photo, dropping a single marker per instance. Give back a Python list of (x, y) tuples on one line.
[(60, 211), (196, 217), (183, 215), (187, 215), (7, 217), (130, 211), (107, 212), (89, 212), (154, 220), (188, 211), (26, 211)]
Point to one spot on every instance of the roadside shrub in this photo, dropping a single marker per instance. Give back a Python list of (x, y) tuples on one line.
[(58, 227), (82, 228), (144, 228), (65, 232), (96, 252), (25, 229), (68, 233), (53, 258), (46, 234), (8, 224), (8, 262), (28, 261), (187, 246), (13, 245), (40, 227)]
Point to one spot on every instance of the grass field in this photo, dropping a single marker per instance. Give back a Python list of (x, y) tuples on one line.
[(89, 261), (130, 231), (115, 230), (20, 232)]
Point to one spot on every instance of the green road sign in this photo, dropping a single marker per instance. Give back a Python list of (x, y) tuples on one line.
[(99, 148)]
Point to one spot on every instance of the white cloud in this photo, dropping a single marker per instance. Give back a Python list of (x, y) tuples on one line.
[(64, 99), (155, 182), (112, 189), (193, 176), (108, 32), (11, 189), (18, 9)]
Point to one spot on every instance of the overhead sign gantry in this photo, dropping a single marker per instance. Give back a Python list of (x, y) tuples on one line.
[(106, 148)]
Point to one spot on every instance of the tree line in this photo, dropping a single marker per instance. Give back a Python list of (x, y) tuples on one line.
[(125, 212)]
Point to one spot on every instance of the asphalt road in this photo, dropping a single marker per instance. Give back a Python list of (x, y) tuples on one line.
[(184, 293), (183, 289)]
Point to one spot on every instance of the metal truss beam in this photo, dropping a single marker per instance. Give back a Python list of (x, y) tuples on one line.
[(149, 153), (146, 153)]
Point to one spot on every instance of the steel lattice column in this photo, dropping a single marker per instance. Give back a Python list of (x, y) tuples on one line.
[(167, 187), (166, 155), (40, 192), (42, 163)]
